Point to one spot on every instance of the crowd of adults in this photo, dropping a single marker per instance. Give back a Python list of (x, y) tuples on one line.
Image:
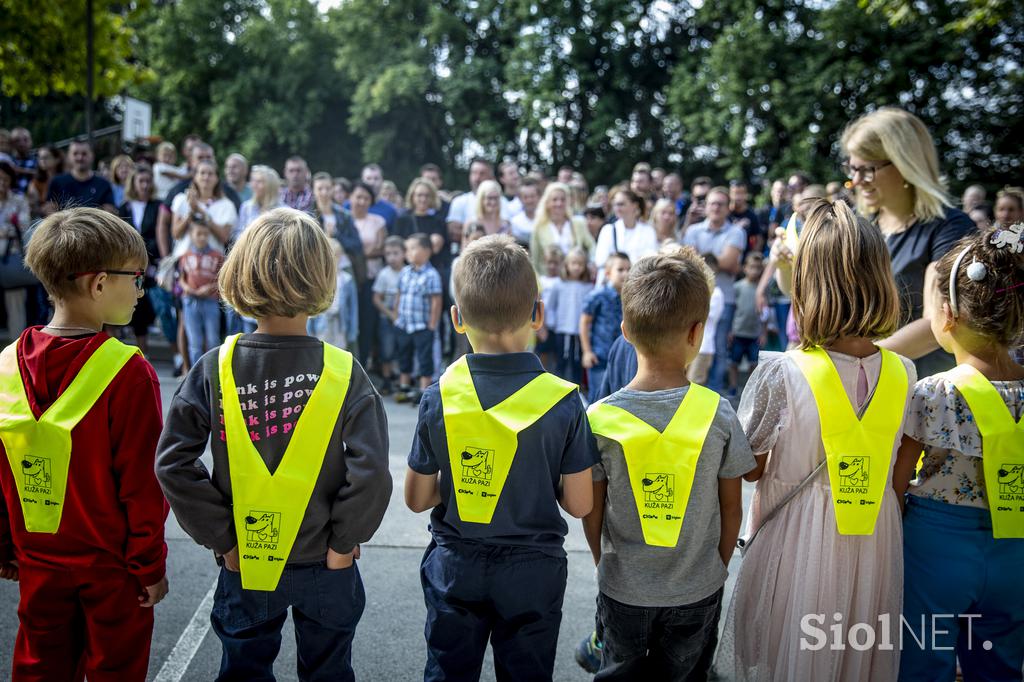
[(891, 173)]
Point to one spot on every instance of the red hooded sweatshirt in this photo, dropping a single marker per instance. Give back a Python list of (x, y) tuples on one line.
[(114, 511)]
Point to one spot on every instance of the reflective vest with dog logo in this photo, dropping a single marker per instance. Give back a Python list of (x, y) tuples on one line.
[(858, 451), (39, 452), (483, 443), (268, 508), (1002, 450), (661, 465)]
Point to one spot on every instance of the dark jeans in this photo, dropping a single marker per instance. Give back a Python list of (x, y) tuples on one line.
[(657, 643), (418, 346), (326, 606), (510, 595)]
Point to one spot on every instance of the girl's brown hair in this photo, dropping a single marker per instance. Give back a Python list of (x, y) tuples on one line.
[(992, 307), (842, 278)]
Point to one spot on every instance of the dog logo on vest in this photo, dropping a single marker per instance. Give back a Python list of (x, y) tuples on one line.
[(37, 474), (853, 474), (1011, 479), (477, 464), (262, 526), (659, 487)]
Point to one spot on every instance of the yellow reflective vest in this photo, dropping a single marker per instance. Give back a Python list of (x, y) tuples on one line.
[(859, 451), (482, 444), (39, 452), (661, 465), (1002, 450), (268, 508)]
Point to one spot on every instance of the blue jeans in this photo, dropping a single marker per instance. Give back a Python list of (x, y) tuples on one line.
[(202, 325), (326, 606), (657, 643), (511, 596), (952, 565), (716, 377), (234, 323), (166, 315), (781, 316)]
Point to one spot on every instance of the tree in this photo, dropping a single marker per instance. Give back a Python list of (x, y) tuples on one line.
[(43, 48)]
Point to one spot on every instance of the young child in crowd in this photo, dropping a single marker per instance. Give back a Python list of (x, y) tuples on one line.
[(417, 313), (963, 531), (165, 173), (339, 324), (701, 365), (596, 219), (385, 295), (824, 422), (511, 443), (82, 530), (472, 232), (600, 321), (547, 339), (280, 401), (564, 312), (662, 540), (746, 336), (200, 302)]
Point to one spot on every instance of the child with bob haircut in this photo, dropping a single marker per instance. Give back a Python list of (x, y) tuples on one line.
[(963, 531), (824, 422), (667, 491), (300, 459), (82, 524), (511, 444)]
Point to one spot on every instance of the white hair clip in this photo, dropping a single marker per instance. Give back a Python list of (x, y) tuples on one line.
[(1011, 237), (976, 271), (952, 279)]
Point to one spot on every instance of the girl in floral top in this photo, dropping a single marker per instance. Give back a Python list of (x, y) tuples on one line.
[(954, 562)]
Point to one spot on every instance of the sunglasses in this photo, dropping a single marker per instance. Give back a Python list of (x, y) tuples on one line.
[(139, 275)]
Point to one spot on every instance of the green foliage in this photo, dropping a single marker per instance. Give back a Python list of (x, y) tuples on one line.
[(43, 48), (733, 88)]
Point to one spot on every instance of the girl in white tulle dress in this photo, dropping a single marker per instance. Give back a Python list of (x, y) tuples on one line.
[(799, 571)]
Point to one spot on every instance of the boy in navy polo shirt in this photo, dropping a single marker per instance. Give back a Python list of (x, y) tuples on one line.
[(601, 321), (516, 441), (418, 310)]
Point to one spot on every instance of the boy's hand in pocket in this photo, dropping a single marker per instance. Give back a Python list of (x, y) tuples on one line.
[(336, 561)]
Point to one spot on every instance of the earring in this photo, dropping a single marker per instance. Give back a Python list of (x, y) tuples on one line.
[(906, 185)]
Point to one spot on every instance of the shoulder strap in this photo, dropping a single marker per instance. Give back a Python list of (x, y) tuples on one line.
[(91, 381), (990, 412)]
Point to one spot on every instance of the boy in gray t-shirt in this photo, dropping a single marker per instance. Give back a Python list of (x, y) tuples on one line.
[(667, 491)]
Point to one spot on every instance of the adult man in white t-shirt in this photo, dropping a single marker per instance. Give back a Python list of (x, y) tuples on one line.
[(463, 208), (508, 176), (529, 197)]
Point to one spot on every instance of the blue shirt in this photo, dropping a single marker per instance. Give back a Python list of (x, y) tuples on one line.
[(605, 306), (416, 287), (622, 367), (67, 192), (706, 239), (558, 443)]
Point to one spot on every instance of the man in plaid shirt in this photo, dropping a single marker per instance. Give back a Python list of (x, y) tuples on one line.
[(418, 307)]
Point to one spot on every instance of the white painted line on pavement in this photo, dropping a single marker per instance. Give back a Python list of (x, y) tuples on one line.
[(176, 665)]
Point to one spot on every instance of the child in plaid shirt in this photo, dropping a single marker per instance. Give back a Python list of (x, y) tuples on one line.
[(418, 309)]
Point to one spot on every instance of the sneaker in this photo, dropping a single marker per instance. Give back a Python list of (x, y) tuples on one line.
[(402, 394), (414, 396), (588, 653), (385, 387)]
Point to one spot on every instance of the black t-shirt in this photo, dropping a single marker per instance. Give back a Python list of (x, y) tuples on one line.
[(67, 192), (912, 251), (749, 221), (434, 223)]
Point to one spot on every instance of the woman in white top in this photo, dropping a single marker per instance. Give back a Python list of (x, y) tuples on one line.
[(628, 235), (554, 225), (204, 200), (266, 195)]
